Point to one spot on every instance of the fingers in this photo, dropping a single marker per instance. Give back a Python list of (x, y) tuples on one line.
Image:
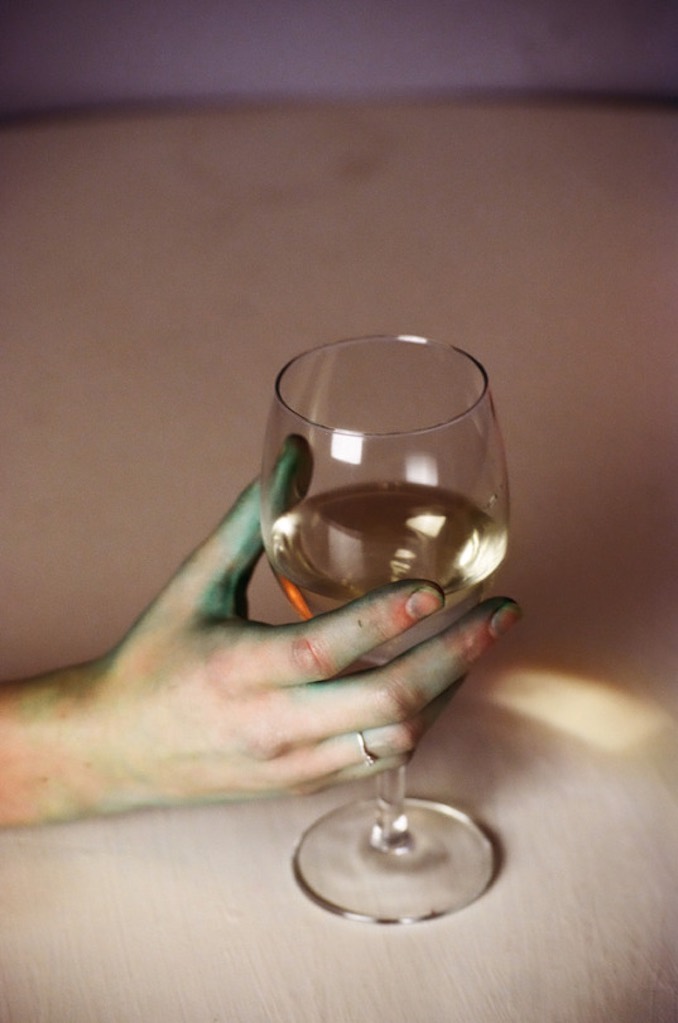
[(309, 768), (314, 741), (394, 704), (401, 738), (423, 673), (400, 691), (329, 644)]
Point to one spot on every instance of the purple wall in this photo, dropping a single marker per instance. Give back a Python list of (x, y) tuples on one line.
[(81, 52)]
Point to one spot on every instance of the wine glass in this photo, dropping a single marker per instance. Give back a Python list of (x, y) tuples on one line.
[(408, 480)]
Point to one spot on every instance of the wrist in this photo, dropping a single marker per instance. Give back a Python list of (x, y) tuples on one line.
[(50, 746)]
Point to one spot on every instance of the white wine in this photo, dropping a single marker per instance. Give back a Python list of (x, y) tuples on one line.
[(335, 546)]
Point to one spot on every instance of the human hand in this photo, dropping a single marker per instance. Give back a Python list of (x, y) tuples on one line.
[(198, 703)]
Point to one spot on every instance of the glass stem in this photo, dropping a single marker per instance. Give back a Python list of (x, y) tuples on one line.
[(390, 832)]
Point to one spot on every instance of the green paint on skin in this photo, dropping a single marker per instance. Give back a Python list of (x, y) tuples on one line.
[(291, 475), (226, 595), (289, 482), (51, 696)]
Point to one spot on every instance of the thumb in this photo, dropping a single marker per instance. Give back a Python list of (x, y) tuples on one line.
[(229, 558), (289, 479), (212, 582)]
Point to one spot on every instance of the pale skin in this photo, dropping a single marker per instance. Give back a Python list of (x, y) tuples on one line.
[(197, 703)]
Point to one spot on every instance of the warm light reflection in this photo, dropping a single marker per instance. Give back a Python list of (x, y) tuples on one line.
[(427, 524), (591, 711)]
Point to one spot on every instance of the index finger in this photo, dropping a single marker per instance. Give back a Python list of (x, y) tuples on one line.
[(405, 686), (325, 646), (397, 692)]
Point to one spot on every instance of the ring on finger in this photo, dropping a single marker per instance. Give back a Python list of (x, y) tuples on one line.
[(369, 757)]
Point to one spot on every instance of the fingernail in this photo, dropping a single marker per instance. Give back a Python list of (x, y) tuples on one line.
[(504, 618), (424, 602)]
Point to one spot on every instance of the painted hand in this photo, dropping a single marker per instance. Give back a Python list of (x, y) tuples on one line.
[(199, 703)]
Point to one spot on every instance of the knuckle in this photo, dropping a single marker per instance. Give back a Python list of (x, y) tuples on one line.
[(266, 739), (260, 746), (397, 697), (468, 644), (311, 656), (405, 736), (378, 619)]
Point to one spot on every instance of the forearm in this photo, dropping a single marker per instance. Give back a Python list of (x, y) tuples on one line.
[(50, 749)]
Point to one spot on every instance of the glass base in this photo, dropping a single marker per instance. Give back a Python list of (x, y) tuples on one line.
[(445, 864)]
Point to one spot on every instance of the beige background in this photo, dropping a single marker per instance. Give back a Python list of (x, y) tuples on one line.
[(157, 269)]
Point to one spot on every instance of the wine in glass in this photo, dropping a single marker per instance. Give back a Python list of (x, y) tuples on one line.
[(408, 480)]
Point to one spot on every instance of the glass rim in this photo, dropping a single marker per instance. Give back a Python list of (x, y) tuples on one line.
[(383, 339)]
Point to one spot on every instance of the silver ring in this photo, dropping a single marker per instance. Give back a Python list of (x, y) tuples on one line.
[(368, 757)]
